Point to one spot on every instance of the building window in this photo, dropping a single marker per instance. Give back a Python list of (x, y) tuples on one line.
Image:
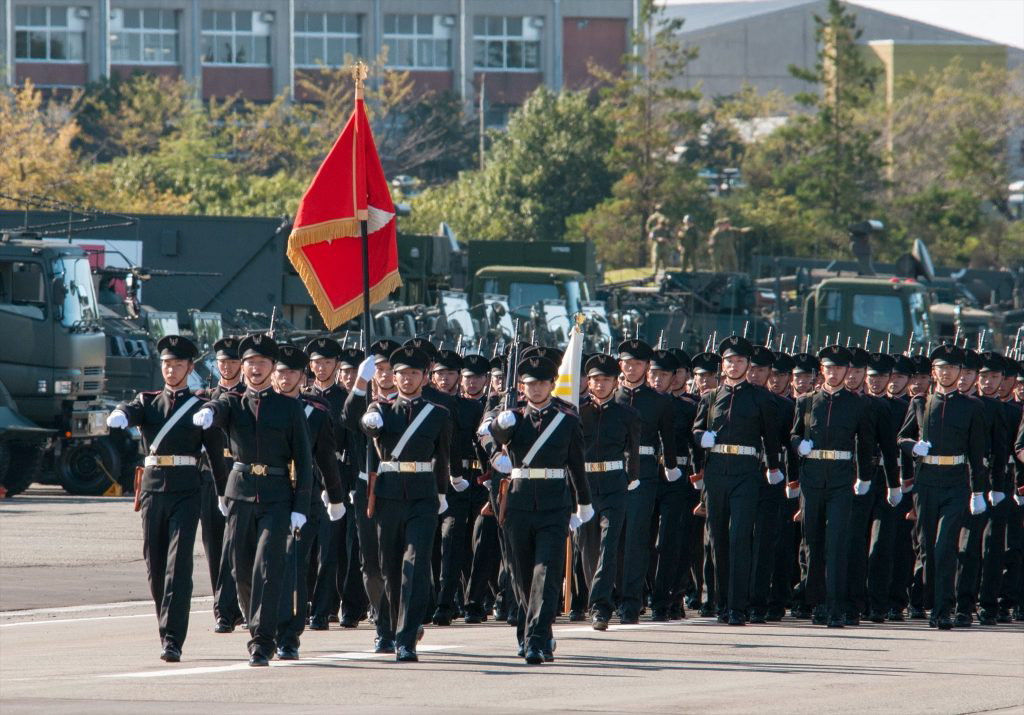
[(325, 38), (506, 43), (143, 36), (236, 37), (49, 34), (418, 41)]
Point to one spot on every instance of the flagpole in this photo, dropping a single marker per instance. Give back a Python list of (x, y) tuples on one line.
[(359, 75)]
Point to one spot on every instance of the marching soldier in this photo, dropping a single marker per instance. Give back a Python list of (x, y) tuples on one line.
[(903, 538), (269, 438), (733, 423), (218, 549), (544, 443), (785, 557), (171, 486), (946, 431), (657, 433), (611, 437), (705, 379), (688, 457), (412, 439), (328, 491)]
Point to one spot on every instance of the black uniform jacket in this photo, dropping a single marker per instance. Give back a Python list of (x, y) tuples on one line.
[(955, 425), (611, 433), (322, 434), (149, 411), (738, 415), (563, 450), (839, 421), (266, 428), (657, 419)]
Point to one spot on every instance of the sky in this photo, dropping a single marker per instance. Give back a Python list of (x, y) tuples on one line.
[(999, 21)]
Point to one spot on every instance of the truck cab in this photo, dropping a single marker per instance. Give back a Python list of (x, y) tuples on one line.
[(893, 309), (527, 287)]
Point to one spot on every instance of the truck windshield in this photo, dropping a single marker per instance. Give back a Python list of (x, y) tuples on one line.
[(80, 300), (919, 316)]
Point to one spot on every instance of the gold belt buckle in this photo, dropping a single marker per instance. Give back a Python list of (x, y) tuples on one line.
[(406, 466), (259, 470), (227, 453)]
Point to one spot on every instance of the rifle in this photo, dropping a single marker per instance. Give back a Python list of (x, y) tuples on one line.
[(910, 344), (273, 316), (768, 340)]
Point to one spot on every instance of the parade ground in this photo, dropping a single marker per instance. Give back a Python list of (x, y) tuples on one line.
[(78, 635)]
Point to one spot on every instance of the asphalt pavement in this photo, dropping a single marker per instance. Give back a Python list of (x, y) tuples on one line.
[(78, 636)]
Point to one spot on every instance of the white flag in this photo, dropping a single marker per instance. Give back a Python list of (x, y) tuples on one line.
[(567, 385)]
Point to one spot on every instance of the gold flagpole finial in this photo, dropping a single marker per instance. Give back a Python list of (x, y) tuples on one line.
[(359, 74), (580, 320)]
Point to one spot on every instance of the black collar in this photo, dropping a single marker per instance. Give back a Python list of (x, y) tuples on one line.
[(177, 394), (259, 394)]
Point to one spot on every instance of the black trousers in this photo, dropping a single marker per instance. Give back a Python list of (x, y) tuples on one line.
[(599, 545), (169, 523), (636, 551), (368, 557), (259, 534), (673, 520), (732, 503), (881, 547), (787, 562), (295, 591), (993, 554), (767, 530), (941, 510), (1011, 594), (456, 530), (857, 553), (536, 542), (327, 540), (218, 555), (968, 575), (483, 574), (903, 557), (827, 532), (405, 533)]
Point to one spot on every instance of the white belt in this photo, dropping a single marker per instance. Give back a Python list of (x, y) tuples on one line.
[(170, 460), (364, 476), (944, 460), (525, 473), (413, 467), (603, 466), (735, 449), (832, 454), (649, 451)]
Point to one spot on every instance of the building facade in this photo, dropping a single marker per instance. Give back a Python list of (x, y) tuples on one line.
[(261, 47)]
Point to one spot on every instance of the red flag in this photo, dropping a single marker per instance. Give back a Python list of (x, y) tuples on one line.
[(325, 244)]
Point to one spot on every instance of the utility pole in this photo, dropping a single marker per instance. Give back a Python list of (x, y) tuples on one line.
[(480, 113)]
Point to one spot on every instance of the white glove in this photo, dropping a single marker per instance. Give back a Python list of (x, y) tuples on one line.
[(442, 504), (298, 520), (484, 430), (506, 419), (222, 505), (978, 505), (632, 485), (352, 497), (335, 511), (805, 447), (707, 440), (372, 420), (673, 474), (860, 487), (774, 476), (367, 367), (459, 484), (698, 485), (1019, 499), (793, 490), (502, 464), (921, 448), (574, 522), (895, 496), (995, 497), (203, 418), (585, 512), (117, 420), (325, 499), (487, 484)]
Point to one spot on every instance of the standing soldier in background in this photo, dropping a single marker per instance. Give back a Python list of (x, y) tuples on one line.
[(171, 486), (218, 549), (658, 233), (328, 490), (688, 237), (269, 438)]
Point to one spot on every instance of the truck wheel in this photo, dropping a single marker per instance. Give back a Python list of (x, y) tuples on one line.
[(24, 463), (86, 468)]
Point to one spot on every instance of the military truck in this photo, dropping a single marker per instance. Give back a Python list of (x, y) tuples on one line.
[(52, 371)]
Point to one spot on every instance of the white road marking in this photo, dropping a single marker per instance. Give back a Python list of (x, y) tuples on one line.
[(590, 629), (172, 671), (90, 607), (55, 621)]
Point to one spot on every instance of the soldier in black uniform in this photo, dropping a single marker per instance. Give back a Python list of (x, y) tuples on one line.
[(374, 370), (270, 442), (544, 443), (688, 458), (1011, 595), (327, 542), (903, 541), (412, 437), (734, 423), (218, 549), (706, 367), (327, 499), (611, 436), (657, 434), (946, 431), (806, 368), (171, 489)]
